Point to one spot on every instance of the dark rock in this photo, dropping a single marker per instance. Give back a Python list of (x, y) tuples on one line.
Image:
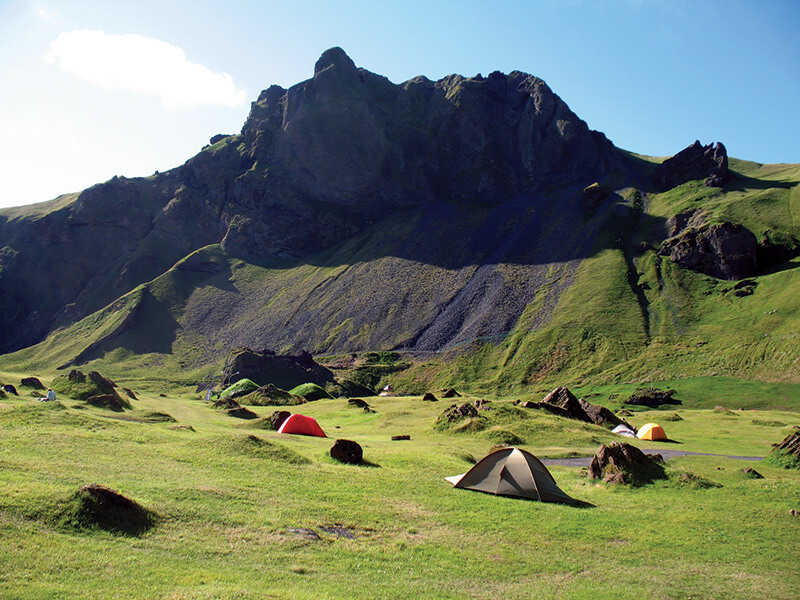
[(450, 393), (709, 163), (106, 386), (565, 400), (130, 393), (600, 415), (483, 404), (397, 438), (593, 196), (359, 403), (282, 371), (218, 138), (10, 389), (622, 463), (751, 473), (723, 250), (347, 451), (226, 403), (429, 397), (75, 375), (652, 397), (459, 411), (32, 382), (277, 418), (109, 401), (241, 413)]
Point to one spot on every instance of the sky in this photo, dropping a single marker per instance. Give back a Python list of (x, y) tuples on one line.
[(90, 89)]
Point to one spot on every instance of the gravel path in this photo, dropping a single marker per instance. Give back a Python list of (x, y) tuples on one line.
[(667, 454)]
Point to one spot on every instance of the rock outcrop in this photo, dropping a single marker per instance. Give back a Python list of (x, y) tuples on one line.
[(622, 463), (724, 250), (564, 403), (313, 165), (283, 371), (347, 451), (709, 163)]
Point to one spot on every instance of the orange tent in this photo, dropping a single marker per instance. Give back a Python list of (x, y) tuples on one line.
[(301, 425), (652, 431)]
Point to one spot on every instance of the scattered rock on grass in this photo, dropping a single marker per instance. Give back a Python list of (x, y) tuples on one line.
[(622, 463), (109, 401), (347, 451), (429, 397), (277, 418), (450, 393), (652, 397), (751, 473), (359, 403), (787, 453), (32, 382)]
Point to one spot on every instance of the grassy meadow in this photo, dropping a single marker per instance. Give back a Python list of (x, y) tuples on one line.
[(232, 500)]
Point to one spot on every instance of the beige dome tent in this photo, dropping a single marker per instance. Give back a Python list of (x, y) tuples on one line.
[(511, 472)]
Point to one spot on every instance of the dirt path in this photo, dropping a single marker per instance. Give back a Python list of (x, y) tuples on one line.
[(584, 461)]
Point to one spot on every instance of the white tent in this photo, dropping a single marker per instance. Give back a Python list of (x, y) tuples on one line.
[(623, 430), (511, 472)]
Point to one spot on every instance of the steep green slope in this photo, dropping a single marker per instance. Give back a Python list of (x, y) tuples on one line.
[(529, 292)]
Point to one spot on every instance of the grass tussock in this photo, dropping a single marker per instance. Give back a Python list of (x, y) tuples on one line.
[(95, 507)]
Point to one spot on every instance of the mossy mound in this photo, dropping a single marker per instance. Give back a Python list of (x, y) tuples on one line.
[(786, 455), (95, 507), (241, 388), (309, 391), (269, 395), (621, 463), (82, 387), (256, 447)]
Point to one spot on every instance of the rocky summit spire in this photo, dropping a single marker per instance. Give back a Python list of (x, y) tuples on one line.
[(335, 58)]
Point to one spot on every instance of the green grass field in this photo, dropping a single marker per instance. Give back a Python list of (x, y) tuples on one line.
[(229, 506)]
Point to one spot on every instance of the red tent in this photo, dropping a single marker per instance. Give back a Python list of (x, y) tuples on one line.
[(301, 425)]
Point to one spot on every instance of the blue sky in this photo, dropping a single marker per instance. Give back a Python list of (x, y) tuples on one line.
[(87, 86)]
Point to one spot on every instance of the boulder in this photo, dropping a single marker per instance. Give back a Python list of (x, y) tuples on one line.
[(450, 393), (723, 250), (359, 403), (709, 163), (563, 403), (32, 382), (429, 397), (622, 463), (600, 415), (652, 397), (751, 473), (347, 451), (109, 401), (565, 400), (459, 411), (106, 386), (593, 196), (10, 389), (277, 418)]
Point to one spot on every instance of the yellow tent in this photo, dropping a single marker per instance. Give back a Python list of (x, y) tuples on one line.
[(652, 431)]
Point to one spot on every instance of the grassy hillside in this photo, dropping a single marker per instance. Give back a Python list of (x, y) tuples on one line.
[(237, 508), (500, 298)]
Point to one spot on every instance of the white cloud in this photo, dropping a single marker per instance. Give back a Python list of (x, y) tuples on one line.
[(135, 63)]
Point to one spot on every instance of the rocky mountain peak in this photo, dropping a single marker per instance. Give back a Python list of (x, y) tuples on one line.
[(335, 58)]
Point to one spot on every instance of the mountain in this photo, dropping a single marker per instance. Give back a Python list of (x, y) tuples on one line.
[(474, 216)]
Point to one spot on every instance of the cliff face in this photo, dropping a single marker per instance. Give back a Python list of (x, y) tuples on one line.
[(313, 165)]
